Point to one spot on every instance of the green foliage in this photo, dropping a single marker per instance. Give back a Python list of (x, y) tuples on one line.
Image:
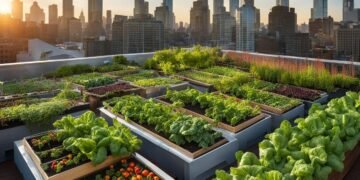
[(218, 107), (31, 85), (68, 93), (91, 80), (157, 82), (311, 150), (145, 74), (263, 97), (120, 60), (92, 137), (309, 78), (65, 71), (226, 71), (178, 128), (171, 61)]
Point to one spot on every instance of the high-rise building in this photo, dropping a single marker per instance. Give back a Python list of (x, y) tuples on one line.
[(222, 31), (117, 43), (282, 3), (349, 13), (141, 8), (68, 9), (108, 24), (93, 46), (169, 4), (53, 14), (17, 9), (234, 5), (245, 27), (320, 9), (218, 7), (282, 22), (200, 21), (143, 34), (36, 14), (324, 26), (75, 30), (163, 14), (298, 45), (95, 22), (348, 42), (82, 20)]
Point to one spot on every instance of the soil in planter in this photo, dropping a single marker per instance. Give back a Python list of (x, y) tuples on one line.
[(11, 124), (111, 88), (51, 172), (297, 92)]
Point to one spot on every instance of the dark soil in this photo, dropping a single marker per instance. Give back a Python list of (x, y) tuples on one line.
[(11, 124), (298, 92), (111, 88)]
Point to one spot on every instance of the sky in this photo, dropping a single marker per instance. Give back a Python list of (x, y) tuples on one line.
[(182, 7)]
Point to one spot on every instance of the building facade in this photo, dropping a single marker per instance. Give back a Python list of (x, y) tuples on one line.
[(17, 9), (299, 44), (108, 24), (223, 27), (36, 14), (68, 9), (349, 13), (245, 27), (234, 6), (95, 19), (53, 14), (282, 22), (117, 43), (320, 9), (348, 43), (200, 21)]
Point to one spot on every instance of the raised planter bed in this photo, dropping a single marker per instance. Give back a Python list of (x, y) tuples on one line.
[(290, 115), (173, 161), (337, 94), (95, 96), (322, 100), (350, 159), (19, 130), (252, 135), (74, 172), (201, 86), (29, 170), (197, 111)]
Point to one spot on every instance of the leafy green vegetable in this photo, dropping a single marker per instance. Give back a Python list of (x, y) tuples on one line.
[(157, 82), (30, 85), (91, 80)]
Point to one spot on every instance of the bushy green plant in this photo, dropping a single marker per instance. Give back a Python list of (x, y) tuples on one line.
[(171, 61), (157, 82), (120, 60), (65, 71), (31, 85)]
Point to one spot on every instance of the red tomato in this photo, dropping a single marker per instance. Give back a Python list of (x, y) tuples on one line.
[(151, 174), (145, 173), (129, 169), (132, 164), (137, 170)]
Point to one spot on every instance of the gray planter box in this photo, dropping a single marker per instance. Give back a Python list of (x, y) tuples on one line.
[(151, 92), (251, 135), (337, 94), (290, 115), (174, 162), (29, 171), (322, 100), (8, 136)]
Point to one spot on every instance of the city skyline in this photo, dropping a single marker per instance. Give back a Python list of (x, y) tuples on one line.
[(182, 8)]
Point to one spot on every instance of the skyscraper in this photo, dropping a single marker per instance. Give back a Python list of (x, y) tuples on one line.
[(349, 13), (95, 15), (68, 9), (222, 31), (141, 8), (348, 42), (36, 14), (163, 14), (53, 14), (169, 4), (245, 27), (200, 21), (108, 24), (82, 20), (218, 7), (117, 43), (234, 5), (282, 22), (282, 3), (17, 9), (320, 9)]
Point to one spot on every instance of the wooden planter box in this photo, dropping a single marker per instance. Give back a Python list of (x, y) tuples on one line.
[(350, 159), (176, 163), (233, 129), (73, 173), (96, 100), (187, 153), (8, 136)]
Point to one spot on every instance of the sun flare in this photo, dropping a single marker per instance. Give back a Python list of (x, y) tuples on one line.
[(5, 9)]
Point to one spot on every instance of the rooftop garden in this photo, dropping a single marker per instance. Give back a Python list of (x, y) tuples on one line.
[(219, 112)]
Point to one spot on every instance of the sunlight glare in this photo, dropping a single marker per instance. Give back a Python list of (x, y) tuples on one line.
[(5, 9)]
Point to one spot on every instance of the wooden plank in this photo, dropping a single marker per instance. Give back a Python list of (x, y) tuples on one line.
[(73, 173), (234, 129), (350, 159), (187, 153)]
